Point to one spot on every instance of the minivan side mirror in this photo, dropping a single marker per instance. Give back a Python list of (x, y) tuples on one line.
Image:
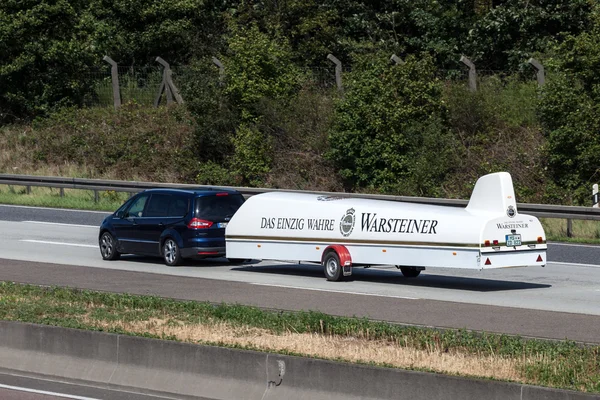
[(120, 214)]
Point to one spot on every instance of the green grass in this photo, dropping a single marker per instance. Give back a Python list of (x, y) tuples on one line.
[(583, 231), (73, 198), (563, 364)]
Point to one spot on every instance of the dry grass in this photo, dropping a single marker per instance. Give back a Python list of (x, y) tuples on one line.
[(324, 346)]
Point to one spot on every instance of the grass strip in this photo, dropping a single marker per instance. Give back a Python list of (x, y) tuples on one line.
[(563, 364), (75, 199)]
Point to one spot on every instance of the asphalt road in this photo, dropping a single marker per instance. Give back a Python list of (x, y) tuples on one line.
[(21, 387), (560, 301)]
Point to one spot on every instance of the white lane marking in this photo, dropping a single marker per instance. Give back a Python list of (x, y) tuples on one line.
[(61, 224), (574, 264), (46, 393), (90, 385), (58, 243), (57, 209), (334, 291), (575, 245)]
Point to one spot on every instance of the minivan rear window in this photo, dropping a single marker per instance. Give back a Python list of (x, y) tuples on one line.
[(218, 208)]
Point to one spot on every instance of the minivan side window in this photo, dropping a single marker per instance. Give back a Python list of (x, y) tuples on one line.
[(137, 207), (158, 206), (179, 206)]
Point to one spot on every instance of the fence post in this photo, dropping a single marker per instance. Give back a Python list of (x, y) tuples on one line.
[(221, 67), (472, 73), (595, 196), (338, 71), (114, 73), (397, 60), (541, 76), (167, 85)]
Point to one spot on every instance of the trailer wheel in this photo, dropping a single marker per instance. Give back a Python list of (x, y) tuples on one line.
[(410, 272), (332, 266)]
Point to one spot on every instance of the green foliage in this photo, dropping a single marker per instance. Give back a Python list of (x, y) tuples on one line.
[(156, 144), (570, 112), (45, 51), (136, 31), (258, 65), (252, 155), (506, 36), (496, 130), (387, 114)]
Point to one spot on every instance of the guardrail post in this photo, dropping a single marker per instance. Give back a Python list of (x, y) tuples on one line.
[(28, 189), (338, 71), (96, 196), (114, 73), (595, 196), (541, 76), (397, 60), (62, 192), (569, 228), (472, 73)]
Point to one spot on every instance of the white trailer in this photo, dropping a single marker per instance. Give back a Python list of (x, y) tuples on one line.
[(341, 232)]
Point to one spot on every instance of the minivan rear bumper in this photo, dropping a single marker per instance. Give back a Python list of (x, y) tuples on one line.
[(202, 252)]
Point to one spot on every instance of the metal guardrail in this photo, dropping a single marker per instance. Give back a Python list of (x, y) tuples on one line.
[(538, 210)]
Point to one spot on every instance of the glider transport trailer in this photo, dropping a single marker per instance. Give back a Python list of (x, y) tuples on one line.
[(341, 233)]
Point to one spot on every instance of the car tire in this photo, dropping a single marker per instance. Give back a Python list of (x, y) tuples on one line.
[(171, 253), (332, 266), (108, 247), (410, 272)]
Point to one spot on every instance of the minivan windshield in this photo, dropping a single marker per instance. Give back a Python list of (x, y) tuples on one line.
[(219, 207)]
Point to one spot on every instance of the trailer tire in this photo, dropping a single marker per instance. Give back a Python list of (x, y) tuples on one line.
[(332, 266), (410, 272)]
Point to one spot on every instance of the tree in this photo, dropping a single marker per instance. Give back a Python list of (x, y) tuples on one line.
[(388, 133), (570, 113), (45, 51)]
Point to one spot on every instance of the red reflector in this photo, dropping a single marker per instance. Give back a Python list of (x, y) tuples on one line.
[(222, 194), (540, 258), (488, 262), (197, 223), (495, 242), (207, 252)]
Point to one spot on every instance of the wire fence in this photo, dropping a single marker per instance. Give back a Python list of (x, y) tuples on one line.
[(142, 84)]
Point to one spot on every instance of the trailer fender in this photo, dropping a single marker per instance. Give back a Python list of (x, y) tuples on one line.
[(344, 256)]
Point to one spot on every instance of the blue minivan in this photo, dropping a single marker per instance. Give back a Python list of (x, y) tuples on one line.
[(170, 223)]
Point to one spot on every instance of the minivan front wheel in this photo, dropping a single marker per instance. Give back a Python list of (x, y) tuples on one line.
[(108, 247), (171, 252)]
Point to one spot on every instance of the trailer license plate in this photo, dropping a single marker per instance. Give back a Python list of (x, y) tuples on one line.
[(222, 224), (513, 240)]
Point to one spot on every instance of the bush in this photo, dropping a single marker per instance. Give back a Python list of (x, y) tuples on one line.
[(153, 144), (387, 114), (496, 129)]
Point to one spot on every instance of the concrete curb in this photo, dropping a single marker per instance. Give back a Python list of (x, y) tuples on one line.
[(185, 369)]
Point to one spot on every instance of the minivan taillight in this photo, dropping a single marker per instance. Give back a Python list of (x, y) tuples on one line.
[(197, 223)]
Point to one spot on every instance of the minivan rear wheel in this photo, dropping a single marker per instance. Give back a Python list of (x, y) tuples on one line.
[(108, 247), (171, 253)]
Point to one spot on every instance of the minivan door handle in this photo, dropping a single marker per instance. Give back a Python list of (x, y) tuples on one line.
[(160, 224)]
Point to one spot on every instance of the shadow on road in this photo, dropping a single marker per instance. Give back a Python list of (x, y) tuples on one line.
[(395, 277)]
